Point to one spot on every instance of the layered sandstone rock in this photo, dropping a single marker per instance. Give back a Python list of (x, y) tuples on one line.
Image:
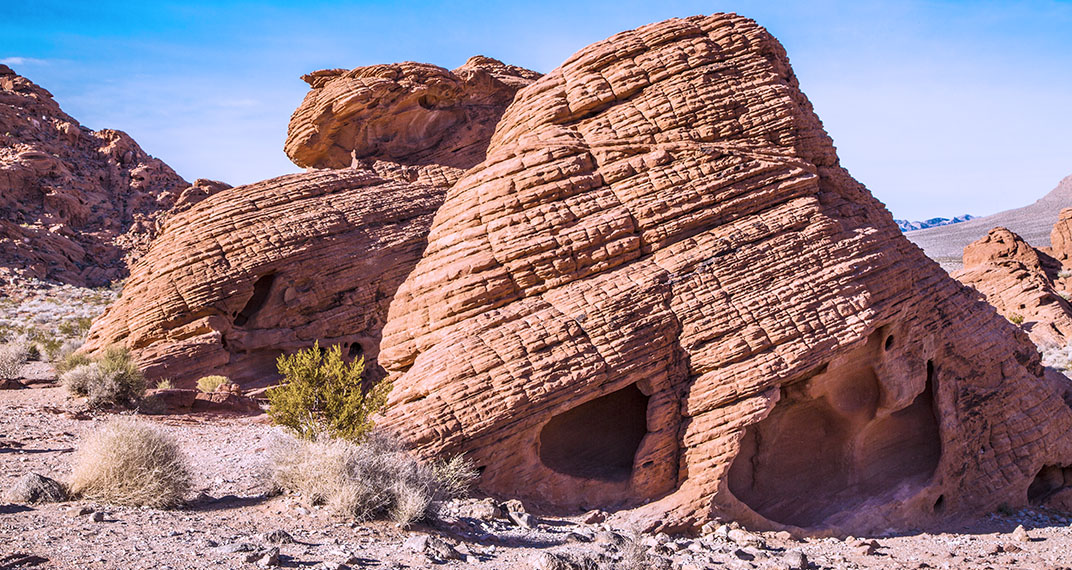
[(76, 204), (1029, 286), (409, 113), (254, 271), (661, 291), (239, 276)]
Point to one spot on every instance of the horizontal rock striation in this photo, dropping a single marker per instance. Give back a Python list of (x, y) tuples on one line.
[(75, 205), (660, 291), (409, 113), (254, 271)]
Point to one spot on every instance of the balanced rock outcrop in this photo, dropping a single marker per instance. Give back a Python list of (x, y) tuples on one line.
[(661, 292), (77, 205), (1029, 286), (408, 113)]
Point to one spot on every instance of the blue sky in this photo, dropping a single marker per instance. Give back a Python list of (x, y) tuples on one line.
[(940, 108)]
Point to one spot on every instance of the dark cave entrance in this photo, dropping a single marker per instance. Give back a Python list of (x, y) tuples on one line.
[(814, 457), (261, 288), (598, 439)]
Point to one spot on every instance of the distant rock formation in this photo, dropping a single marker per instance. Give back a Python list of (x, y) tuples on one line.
[(661, 291), (75, 205), (410, 113), (1030, 286), (907, 226), (246, 274), (945, 244)]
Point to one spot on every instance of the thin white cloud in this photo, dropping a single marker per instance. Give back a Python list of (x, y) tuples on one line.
[(22, 61)]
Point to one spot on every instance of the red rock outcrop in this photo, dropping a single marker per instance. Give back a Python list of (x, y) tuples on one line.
[(76, 204), (409, 113), (254, 271), (1028, 286), (660, 291), (239, 276)]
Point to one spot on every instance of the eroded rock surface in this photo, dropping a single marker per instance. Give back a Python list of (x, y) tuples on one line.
[(409, 113), (661, 291), (1029, 286), (254, 271), (76, 204)]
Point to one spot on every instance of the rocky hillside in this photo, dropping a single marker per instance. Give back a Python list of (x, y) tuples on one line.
[(76, 205), (1032, 223)]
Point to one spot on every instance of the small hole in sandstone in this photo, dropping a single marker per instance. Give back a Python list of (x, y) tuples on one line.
[(427, 101), (939, 504), (889, 342), (597, 439), (356, 350), (261, 288), (480, 469), (647, 464)]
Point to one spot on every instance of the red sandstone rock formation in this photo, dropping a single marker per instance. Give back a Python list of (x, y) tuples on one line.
[(661, 291), (239, 276), (1028, 286), (75, 203), (258, 270), (410, 113)]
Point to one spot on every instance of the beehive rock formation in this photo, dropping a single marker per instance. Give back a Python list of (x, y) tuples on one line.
[(239, 276), (75, 205), (254, 271), (660, 291), (1027, 285), (408, 113)]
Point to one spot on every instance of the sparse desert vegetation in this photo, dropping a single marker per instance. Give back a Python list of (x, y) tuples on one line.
[(127, 461), (111, 379), (209, 384), (322, 394)]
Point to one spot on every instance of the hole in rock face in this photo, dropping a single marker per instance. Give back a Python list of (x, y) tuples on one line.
[(597, 439), (939, 504), (356, 351), (889, 342), (1050, 479), (261, 288), (427, 101), (814, 457)]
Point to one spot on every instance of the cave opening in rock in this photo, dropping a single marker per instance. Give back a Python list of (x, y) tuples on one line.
[(261, 288), (1050, 479), (814, 456), (598, 439)]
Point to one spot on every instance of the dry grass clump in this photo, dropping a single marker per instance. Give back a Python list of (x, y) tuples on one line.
[(129, 462), (209, 384), (12, 356), (111, 380), (164, 384), (366, 480)]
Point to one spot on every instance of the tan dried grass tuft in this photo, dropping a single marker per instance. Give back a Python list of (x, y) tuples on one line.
[(365, 480), (130, 462)]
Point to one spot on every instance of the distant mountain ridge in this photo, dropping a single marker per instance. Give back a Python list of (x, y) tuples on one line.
[(945, 244), (907, 226)]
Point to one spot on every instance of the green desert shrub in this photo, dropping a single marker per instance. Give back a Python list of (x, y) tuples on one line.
[(209, 384), (109, 380), (1016, 319), (323, 394), (129, 462), (366, 480), (70, 359), (164, 385), (12, 356), (77, 327)]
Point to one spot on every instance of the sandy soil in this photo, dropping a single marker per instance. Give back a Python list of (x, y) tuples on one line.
[(230, 513)]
